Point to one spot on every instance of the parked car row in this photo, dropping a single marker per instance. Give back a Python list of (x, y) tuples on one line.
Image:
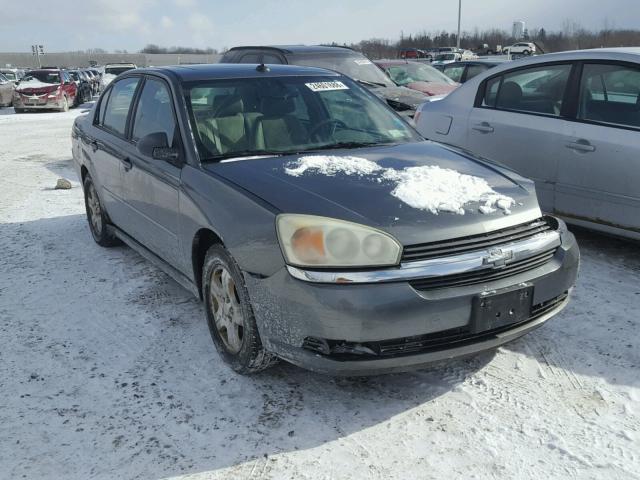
[(53, 87)]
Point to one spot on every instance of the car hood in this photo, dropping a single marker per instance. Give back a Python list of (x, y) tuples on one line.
[(399, 97), (369, 198)]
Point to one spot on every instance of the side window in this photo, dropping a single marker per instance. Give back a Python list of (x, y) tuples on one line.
[(117, 108), (473, 70), (454, 72), (610, 94), (154, 112), (532, 90), (102, 107)]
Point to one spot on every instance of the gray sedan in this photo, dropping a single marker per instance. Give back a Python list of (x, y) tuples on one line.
[(570, 121), (313, 222)]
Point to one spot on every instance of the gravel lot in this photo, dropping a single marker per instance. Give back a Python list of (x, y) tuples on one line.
[(107, 369)]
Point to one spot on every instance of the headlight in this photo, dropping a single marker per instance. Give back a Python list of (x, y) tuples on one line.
[(311, 241)]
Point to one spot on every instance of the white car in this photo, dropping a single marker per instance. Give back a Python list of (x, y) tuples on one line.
[(522, 48), (570, 121), (112, 70)]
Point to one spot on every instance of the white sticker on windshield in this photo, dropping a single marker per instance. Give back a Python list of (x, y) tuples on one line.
[(326, 86), (363, 61)]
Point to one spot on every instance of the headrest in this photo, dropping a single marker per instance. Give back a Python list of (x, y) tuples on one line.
[(277, 106), (510, 95), (227, 105)]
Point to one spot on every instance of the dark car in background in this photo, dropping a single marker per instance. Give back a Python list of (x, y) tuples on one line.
[(45, 89), (462, 71), (339, 59), (84, 85), (312, 220), (417, 76)]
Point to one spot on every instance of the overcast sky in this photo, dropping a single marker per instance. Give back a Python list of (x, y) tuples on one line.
[(131, 24)]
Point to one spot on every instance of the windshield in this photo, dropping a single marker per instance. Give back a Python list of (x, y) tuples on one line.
[(446, 56), (42, 77), (244, 117), (355, 66), (74, 75), (3, 79), (117, 70), (10, 75), (415, 72)]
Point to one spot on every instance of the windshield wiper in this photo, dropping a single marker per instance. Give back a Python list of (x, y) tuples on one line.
[(370, 83), (245, 153), (347, 145)]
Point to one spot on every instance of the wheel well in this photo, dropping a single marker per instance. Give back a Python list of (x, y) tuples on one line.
[(202, 241), (83, 173)]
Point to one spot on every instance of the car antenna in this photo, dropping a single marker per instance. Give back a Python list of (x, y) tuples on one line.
[(262, 67)]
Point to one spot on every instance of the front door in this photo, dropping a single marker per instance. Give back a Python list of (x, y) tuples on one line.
[(152, 186), (518, 123)]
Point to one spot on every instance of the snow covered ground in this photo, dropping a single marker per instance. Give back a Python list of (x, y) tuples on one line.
[(107, 369)]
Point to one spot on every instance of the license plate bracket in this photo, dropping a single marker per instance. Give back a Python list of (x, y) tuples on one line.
[(501, 308)]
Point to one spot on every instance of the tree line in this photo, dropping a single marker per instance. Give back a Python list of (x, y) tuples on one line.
[(571, 37), (152, 48)]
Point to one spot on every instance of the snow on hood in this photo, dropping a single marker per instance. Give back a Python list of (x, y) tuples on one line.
[(428, 187), (34, 83)]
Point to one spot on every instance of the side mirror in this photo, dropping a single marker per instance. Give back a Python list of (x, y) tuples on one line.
[(156, 146)]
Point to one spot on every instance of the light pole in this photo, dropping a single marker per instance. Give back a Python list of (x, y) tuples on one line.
[(459, 15)]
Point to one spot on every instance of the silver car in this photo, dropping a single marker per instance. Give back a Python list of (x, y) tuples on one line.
[(570, 121)]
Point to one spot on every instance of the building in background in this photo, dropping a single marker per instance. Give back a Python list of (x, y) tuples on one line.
[(518, 29)]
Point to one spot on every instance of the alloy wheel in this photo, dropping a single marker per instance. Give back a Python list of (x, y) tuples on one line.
[(95, 212), (226, 309)]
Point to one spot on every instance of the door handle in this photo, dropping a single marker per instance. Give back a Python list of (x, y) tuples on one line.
[(94, 145), (483, 127), (128, 164), (582, 146)]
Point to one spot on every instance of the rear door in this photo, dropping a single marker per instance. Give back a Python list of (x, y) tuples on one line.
[(599, 174), (108, 146), (151, 186), (518, 120)]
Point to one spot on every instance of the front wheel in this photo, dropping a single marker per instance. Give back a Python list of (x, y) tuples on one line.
[(230, 316), (96, 216), (526, 52), (65, 105)]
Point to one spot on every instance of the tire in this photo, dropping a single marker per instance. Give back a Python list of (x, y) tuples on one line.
[(526, 52), (65, 105), (96, 216), (18, 110), (489, 52), (228, 310)]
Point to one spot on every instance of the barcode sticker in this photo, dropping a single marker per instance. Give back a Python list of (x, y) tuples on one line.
[(326, 86)]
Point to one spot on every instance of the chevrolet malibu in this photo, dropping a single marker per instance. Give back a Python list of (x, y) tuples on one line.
[(315, 225)]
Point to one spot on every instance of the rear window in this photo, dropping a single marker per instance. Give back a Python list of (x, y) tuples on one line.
[(610, 94), (43, 77), (117, 70), (350, 64)]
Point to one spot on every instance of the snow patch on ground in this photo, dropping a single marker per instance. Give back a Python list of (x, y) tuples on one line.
[(426, 188)]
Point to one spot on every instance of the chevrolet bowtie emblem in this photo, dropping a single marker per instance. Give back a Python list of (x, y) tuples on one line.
[(497, 257)]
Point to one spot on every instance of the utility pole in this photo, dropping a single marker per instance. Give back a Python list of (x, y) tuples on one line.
[(459, 16), (37, 51)]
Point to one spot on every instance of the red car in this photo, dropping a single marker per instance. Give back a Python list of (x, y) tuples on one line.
[(417, 76), (45, 89)]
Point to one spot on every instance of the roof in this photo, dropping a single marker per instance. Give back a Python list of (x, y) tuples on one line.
[(293, 49), (234, 70)]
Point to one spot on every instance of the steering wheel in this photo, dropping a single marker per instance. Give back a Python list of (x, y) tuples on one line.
[(329, 121)]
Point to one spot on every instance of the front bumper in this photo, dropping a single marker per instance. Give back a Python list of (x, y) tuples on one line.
[(40, 103), (289, 312)]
